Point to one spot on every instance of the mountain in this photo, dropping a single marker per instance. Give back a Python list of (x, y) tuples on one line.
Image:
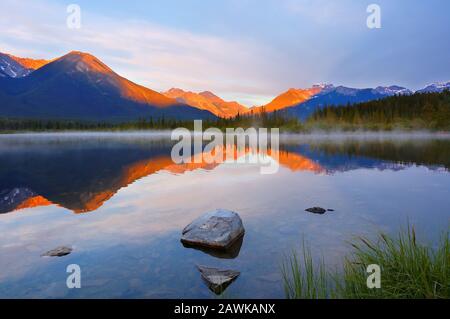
[(16, 67), (341, 95), (207, 101), (392, 90), (302, 103), (79, 86), (29, 64), (289, 98), (435, 87), (429, 111)]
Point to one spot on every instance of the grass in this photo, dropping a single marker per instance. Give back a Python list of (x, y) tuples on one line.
[(409, 270), (304, 280)]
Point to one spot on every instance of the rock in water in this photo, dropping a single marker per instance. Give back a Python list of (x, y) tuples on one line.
[(316, 210), (217, 280), (58, 252), (230, 252), (218, 229)]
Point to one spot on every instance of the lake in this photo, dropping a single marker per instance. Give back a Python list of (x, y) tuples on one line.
[(121, 203)]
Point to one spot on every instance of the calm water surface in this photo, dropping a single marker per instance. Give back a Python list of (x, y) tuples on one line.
[(121, 203)]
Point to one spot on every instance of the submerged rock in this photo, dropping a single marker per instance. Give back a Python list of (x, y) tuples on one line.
[(58, 252), (218, 230), (217, 279), (316, 210), (230, 252)]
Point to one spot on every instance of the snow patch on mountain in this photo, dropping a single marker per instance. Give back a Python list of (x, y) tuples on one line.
[(392, 90), (12, 69), (435, 87)]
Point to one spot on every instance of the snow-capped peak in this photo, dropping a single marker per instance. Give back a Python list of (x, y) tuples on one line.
[(392, 90), (435, 87), (323, 86)]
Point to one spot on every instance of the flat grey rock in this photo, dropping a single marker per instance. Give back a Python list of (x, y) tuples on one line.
[(316, 210), (217, 279), (218, 229), (58, 252)]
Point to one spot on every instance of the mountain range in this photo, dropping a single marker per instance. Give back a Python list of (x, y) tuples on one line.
[(207, 101), (341, 95), (80, 86), (302, 103)]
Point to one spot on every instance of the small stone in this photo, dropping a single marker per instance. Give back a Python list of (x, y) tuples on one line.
[(217, 279), (316, 210), (58, 252)]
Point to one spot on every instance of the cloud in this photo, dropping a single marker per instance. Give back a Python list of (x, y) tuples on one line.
[(152, 55), (247, 51)]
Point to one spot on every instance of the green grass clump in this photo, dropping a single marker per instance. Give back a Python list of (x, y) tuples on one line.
[(311, 283), (408, 270)]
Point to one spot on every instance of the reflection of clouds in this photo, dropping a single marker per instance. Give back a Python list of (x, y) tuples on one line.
[(271, 208), (153, 206), (148, 208)]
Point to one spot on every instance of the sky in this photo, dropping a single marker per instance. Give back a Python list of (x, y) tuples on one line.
[(244, 50)]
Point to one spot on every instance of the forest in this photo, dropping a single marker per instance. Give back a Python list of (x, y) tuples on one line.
[(417, 111), (272, 120)]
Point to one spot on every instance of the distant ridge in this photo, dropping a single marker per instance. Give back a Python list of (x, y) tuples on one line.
[(323, 95), (435, 87), (289, 98), (31, 64), (207, 101), (13, 66)]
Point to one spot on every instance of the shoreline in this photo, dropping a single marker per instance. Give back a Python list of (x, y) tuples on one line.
[(284, 136)]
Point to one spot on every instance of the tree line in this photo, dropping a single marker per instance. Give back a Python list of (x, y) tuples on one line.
[(262, 119), (416, 111)]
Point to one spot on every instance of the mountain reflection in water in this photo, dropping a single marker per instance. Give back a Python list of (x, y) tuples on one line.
[(82, 175)]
